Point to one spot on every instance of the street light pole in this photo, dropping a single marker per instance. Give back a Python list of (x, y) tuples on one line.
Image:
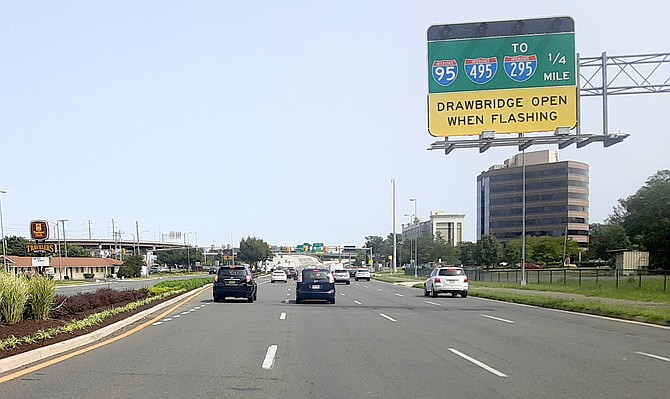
[(64, 239), (4, 241), (416, 244)]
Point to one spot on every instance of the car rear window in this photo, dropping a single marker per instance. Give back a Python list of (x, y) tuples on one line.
[(314, 274), (451, 272), (363, 270), (228, 272)]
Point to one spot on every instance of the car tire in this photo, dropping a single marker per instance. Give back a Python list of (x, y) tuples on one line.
[(256, 295), (348, 282), (250, 298), (331, 301), (425, 291), (298, 300), (216, 298), (433, 293), (464, 294), (272, 281), (356, 279)]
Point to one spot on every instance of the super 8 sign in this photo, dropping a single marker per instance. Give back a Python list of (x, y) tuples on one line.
[(506, 76)]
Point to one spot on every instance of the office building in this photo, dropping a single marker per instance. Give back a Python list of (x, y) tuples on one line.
[(557, 198)]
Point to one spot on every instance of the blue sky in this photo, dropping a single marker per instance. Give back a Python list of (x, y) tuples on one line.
[(284, 120)]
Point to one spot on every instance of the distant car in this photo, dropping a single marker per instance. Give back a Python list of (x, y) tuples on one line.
[(446, 279), (292, 272), (352, 272), (234, 281), (212, 270), (531, 266), (341, 276), (362, 274), (315, 283), (278, 275), (153, 270)]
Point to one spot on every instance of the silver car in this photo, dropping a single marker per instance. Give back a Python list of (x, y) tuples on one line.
[(446, 279), (341, 276)]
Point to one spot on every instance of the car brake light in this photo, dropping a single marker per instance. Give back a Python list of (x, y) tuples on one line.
[(465, 280), (216, 278), (437, 279), (248, 278)]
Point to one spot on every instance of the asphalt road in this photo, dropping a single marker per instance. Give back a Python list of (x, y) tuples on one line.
[(376, 341)]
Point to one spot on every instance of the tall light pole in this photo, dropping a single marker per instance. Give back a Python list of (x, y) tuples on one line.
[(4, 241), (418, 233), (395, 245), (188, 253), (64, 239), (411, 252)]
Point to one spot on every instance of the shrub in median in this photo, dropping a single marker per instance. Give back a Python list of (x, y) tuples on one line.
[(42, 291), (14, 297)]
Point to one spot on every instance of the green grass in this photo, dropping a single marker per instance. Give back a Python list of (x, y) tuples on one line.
[(651, 290)]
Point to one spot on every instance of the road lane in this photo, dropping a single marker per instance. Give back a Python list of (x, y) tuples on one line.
[(377, 341)]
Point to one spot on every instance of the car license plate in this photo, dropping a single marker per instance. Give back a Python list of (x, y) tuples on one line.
[(316, 287), (231, 282), (452, 282)]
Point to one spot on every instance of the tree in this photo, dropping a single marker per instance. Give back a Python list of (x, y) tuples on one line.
[(254, 250), (645, 216), (489, 250), (181, 256), (467, 252), (17, 245), (77, 251), (132, 266), (439, 250), (606, 237), (374, 242)]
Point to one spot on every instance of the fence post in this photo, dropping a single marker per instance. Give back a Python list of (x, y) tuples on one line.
[(639, 273), (596, 276), (565, 276), (665, 281), (580, 277), (551, 277), (616, 273)]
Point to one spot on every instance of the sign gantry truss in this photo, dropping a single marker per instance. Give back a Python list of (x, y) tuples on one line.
[(597, 76)]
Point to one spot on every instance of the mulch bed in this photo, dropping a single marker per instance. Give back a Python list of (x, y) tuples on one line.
[(29, 327)]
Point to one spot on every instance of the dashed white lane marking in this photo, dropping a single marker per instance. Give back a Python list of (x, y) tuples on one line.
[(357, 303), (168, 319), (342, 293), (176, 316), (285, 300), (387, 317), (288, 293), (380, 290), (269, 357), (498, 318), (433, 303), (158, 323), (665, 359), (366, 286), (282, 316), (478, 363), (399, 295)]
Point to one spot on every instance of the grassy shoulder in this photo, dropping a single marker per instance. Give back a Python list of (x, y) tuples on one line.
[(648, 295)]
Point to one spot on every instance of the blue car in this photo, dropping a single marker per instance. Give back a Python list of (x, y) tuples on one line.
[(315, 283)]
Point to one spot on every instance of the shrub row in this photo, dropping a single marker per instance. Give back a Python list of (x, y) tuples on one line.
[(21, 297), (102, 298)]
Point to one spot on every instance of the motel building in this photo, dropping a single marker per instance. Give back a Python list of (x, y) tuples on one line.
[(63, 268)]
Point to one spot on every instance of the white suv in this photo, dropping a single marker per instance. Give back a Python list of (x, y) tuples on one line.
[(362, 274), (446, 279)]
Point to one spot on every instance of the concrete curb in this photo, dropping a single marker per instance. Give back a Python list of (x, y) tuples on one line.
[(26, 358)]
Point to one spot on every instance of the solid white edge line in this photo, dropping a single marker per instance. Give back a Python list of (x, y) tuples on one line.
[(478, 363), (433, 303), (498, 318), (665, 359), (387, 317), (595, 316), (269, 357), (282, 316)]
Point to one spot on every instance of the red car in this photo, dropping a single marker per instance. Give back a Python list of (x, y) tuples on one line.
[(532, 266)]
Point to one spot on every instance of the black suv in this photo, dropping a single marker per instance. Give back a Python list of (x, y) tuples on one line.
[(315, 284), (234, 281)]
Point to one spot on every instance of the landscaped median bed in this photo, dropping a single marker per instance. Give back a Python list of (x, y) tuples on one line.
[(649, 303), (68, 317)]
